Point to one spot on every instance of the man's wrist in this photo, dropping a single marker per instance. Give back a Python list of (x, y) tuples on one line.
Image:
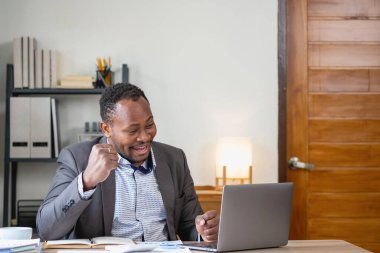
[(86, 186), (84, 194)]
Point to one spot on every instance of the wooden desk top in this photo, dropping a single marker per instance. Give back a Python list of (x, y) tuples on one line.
[(314, 246), (297, 246), (311, 246)]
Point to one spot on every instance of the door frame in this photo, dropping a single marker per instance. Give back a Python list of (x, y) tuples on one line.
[(281, 65)]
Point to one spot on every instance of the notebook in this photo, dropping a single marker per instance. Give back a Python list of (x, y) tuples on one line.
[(252, 216)]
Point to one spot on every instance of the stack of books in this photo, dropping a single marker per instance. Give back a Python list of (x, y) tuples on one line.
[(76, 82)]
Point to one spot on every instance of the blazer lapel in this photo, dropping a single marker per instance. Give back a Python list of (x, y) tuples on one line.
[(108, 202), (166, 186)]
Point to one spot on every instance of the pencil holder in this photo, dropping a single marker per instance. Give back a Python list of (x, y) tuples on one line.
[(104, 79)]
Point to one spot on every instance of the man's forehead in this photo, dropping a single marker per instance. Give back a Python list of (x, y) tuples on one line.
[(130, 109)]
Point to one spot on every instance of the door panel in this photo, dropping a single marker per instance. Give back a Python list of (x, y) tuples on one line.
[(333, 119), (340, 80), (344, 180), (339, 155), (344, 205), (343, 55), (344, 30), (345, 105), (357, 80), (349, 229), (343, 130), (344, 8)]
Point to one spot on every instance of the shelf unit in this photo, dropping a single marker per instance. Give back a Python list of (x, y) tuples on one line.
[(10, 164)]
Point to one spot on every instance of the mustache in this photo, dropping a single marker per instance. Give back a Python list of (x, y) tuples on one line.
[(141, 143)]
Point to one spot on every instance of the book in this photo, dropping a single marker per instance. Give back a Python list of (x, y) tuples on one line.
[(31, 67), (38, 73), (75, 85), (46, 78), (25, 62), (77, 78), (54, 68), (76, 82), (17, 62), (96, 242), (56, 139), (9, 246)]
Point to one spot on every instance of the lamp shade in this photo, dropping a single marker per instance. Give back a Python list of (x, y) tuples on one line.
[(236, 154)]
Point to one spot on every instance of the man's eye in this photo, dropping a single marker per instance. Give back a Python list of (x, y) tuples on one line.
[(150, 125), (132, 131)]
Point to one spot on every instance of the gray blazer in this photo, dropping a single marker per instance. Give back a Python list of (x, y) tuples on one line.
[(63, 214)]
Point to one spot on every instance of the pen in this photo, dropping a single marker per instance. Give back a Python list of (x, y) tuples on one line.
[(101, 78)]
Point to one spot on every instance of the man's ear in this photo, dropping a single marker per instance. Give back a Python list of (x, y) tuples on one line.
[(106, 129)]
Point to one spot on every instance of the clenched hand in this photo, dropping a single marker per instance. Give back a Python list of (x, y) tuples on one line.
[(103, 159)]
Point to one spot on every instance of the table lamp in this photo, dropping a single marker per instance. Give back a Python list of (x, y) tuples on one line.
[(233, 161)]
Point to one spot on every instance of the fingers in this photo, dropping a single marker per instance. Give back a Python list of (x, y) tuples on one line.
[(208, 225), (103, 159), (105, 149), (206, 217), (209, 215), (199, 220), (210, 234)]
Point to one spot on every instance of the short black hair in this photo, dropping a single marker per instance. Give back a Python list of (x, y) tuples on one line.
[(114, 94)]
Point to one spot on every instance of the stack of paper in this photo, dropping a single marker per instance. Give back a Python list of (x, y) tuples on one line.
[(9, 246)]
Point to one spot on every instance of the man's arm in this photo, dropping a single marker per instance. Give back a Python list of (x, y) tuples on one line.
[(193, 220), (191, 206), (63, 205)]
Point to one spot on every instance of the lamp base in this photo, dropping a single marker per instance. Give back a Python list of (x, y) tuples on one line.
[(220, 182)]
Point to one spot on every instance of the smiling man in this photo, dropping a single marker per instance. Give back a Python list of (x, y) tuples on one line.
[(124, 184)]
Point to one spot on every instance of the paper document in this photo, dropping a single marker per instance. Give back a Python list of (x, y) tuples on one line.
[(165, 244), (131, 248), (162, 247), (10, 246), (82, 251)]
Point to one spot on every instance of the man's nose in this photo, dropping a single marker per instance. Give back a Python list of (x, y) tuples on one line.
[(144, 136)]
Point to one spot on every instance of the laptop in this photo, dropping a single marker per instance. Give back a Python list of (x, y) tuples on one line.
[(253, 216)]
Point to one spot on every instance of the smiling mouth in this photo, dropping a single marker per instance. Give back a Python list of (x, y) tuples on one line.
[(141, 149)]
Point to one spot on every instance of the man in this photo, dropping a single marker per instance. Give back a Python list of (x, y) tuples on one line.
[(124, 184)]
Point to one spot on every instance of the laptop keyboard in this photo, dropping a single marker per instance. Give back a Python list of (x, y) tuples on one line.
[(207, 246)]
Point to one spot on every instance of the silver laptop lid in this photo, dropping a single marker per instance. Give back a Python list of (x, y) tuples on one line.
[(255, 216)]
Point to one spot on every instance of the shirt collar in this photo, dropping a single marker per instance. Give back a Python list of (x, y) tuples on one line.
[(149, 164)]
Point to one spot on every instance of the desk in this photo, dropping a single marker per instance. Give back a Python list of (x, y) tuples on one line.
[(312, 246), (301, 246)]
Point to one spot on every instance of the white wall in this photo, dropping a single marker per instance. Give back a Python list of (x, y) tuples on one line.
[(209, 68)]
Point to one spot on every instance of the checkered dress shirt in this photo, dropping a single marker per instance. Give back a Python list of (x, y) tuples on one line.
[(139, 210)]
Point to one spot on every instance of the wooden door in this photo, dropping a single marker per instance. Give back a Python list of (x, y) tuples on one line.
[(333, 119)]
